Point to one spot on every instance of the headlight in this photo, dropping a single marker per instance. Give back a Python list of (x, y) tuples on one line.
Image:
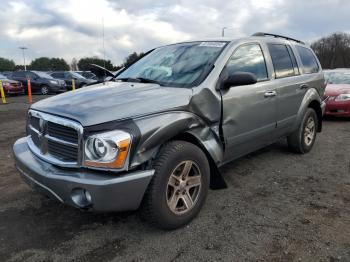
[(107, 150), (54, 82), (342, 97)]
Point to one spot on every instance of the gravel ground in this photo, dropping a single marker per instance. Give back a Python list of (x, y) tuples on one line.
[(278, 207)]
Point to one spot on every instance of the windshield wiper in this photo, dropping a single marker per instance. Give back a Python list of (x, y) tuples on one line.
[(138, 80)]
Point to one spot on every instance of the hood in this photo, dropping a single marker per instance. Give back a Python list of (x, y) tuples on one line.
[(336, 89), (9, 81), (114, 101)]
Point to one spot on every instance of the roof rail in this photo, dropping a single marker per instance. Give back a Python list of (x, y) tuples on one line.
[(278, 36)]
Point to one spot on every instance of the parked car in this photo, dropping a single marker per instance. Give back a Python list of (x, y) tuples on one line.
[(157, 135), (11, 86), (337, 92), (8, 74), (41, 82), (87, 75), (68, 76)]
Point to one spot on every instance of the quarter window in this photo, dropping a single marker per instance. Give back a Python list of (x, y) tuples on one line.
[(282, 61), (248, 58), (308, 59)]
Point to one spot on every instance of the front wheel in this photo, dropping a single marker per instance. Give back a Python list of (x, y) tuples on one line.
[(179, 186), (44, 90), (302, 140)]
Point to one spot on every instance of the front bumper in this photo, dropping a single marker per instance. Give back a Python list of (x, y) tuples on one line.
[(106, 191), (337, 108), (58, 88)]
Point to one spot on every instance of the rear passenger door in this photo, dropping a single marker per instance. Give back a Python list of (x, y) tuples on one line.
[(290, 86)]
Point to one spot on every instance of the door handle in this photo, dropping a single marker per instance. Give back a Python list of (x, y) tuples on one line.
[(304, 86), (270, 94)]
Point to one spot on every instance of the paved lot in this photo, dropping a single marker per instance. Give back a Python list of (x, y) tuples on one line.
[(279, 207)]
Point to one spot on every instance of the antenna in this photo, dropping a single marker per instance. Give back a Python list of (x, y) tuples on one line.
[(103, 46)]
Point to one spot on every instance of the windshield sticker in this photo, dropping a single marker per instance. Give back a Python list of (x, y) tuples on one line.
[(212, 44)]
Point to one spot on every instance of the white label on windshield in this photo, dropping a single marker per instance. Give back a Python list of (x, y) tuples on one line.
[(212, 44)]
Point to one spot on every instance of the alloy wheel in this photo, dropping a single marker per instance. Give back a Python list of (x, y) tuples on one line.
[(309, 131), (183, 187)]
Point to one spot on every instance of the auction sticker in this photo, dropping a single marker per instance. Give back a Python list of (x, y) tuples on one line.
[(212, 44)]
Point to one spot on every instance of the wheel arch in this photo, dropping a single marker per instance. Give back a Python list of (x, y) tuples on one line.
[(311, 100), (316, 105), (216, 179), (157, 130)]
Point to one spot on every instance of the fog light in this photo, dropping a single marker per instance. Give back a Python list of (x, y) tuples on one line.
[(81, 197)]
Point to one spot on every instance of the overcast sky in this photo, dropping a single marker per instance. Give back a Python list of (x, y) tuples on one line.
[(72, 28)]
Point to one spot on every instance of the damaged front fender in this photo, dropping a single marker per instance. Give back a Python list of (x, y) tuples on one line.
[(155, 130)]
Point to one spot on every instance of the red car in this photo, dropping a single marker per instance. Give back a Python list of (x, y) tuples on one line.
[(337, 93), (11, 86)]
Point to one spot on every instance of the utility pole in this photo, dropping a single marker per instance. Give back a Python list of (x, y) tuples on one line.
[(24, 58), (223, 31)]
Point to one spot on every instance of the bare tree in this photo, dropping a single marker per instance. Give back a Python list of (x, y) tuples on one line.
[(333, 51)]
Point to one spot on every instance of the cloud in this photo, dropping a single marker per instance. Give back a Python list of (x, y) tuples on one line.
[(72, 28)]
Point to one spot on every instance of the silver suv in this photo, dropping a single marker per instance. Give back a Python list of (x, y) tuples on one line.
[(155, 134)]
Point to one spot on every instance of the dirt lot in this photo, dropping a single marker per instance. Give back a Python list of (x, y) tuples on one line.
[(279, 207)]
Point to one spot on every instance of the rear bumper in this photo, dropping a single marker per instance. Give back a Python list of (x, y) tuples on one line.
[(82, 188), (58, 88)]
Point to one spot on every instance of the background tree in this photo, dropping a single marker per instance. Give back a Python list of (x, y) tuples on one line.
[(49, 64), (333, 51), (84, 64), (6, 64), (130, 59), (41, 64), (58, 64), (19, 68), (74, 64)]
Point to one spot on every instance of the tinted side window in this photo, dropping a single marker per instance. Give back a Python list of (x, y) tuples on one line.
[(67, 75), (281, 60), (57, 75), (294, 61), (31, 75), (308, 59), (248, 58)]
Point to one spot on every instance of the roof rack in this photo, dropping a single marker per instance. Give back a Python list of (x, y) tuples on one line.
[(278, 36)]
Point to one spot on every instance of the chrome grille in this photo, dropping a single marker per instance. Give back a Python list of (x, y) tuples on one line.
[(63, 152), (56, 140), (62, 132)]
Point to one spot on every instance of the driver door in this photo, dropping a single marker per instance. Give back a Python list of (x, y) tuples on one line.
[(250, 111)]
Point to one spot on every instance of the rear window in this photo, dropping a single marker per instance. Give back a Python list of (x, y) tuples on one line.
[(308, 59), (282, 61)]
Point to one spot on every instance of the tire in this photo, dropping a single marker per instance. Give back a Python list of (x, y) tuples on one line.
[(44, 90), (169, 202), (302, 140)]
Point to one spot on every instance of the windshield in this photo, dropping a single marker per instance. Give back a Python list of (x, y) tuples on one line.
[(76, 75), (338, 78), (43, 74), (2, 76), (179, 65)]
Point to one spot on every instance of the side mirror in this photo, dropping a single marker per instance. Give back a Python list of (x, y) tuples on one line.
[(240, 79)]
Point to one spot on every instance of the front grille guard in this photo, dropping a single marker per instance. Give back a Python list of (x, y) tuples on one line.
[(43, 153)]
